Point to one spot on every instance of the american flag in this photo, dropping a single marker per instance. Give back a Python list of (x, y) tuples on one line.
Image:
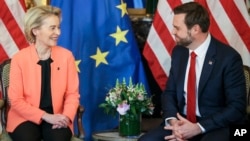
[(229, 23), (12, 36)]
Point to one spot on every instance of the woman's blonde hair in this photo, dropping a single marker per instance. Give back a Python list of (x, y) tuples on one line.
[(34, 18)]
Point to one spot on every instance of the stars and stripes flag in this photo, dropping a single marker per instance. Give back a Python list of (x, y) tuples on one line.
[(12, 37), (229, 23)]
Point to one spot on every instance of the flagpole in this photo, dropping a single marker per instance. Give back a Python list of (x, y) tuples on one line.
[(151, 6)]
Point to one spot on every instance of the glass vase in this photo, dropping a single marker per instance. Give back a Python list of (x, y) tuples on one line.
[(130, 125)]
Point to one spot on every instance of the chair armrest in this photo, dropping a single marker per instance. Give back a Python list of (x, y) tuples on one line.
[(79, 114), (1, 103)]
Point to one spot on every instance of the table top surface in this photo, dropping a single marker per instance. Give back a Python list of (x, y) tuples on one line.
[(112, 136)]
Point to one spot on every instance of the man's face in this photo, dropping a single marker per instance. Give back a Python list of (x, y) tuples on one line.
[(181, 33)]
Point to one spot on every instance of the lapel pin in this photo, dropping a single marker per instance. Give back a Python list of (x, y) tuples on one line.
[(210, 62)]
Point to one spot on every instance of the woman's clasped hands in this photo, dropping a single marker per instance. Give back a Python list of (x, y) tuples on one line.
[(57, 120)]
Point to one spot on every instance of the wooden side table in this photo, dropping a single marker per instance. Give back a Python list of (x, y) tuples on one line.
[(112, 136)]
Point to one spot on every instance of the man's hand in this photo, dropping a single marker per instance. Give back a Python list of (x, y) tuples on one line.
[(187, 129), (173, 125), (182, 129)]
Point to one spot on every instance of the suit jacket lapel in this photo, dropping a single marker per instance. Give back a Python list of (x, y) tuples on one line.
[(207, 66), (181, 72)]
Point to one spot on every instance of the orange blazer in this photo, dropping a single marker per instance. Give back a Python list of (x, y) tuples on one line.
[(25, 86)]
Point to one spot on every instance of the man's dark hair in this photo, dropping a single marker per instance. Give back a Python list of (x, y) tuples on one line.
[(195, 14)]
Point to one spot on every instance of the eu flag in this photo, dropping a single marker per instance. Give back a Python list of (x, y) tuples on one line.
[(135, 3), (99, 34)]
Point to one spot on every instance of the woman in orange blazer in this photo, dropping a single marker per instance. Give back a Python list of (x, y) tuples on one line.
[(44, 84)]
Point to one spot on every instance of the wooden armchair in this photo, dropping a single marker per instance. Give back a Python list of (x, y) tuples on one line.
[(4, 106), (247, 77)]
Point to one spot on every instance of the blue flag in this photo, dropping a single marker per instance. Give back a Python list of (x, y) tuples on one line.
[(136, 3), (99, 34)]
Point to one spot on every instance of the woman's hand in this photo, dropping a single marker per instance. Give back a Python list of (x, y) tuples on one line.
[(57, 120)]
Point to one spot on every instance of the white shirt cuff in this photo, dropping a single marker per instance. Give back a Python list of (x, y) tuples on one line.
[(167, 120), (202, 129)]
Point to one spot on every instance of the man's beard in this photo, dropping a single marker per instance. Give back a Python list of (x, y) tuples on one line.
[(185, 41)]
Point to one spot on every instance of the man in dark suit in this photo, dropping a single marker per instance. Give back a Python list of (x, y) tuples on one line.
[(219, 83)]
